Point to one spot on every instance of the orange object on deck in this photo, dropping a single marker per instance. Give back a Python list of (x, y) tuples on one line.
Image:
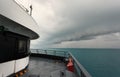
[(21, 73), (70, 65), (16, 75)]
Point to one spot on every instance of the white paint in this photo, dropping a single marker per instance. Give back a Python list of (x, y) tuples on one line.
[(6, 68), (11, 10), (10, 67), (21, 64)]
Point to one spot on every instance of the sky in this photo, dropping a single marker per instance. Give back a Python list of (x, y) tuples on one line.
[(76, 23)]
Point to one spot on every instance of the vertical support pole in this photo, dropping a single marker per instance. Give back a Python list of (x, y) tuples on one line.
[(31, 10)]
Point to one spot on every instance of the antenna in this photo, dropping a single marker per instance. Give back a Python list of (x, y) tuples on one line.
[(31, 8)]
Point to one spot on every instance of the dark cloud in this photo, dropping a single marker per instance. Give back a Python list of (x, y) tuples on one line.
[(77, 20)]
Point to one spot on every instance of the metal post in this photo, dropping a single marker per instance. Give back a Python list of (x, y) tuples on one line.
[(31, 10)]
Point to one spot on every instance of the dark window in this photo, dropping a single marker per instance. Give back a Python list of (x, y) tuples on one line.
[(7, 47), (22, 46), (28, 46), (13, 46)]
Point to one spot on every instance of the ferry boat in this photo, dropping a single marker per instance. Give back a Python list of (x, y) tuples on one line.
[(17, 28)]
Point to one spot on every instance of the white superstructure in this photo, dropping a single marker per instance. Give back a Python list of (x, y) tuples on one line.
[(20, 28), (11, 10)]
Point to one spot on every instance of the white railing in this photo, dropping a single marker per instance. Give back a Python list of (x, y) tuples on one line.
[(50, 52)]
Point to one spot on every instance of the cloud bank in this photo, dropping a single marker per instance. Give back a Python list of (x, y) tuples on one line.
[(77, 23)]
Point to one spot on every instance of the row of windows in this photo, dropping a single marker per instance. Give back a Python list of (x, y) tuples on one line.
[(12, 46)]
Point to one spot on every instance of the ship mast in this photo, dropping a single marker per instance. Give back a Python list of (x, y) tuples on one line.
[(31, 8)]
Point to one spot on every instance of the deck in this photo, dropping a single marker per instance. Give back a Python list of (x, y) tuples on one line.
[(41, 67)]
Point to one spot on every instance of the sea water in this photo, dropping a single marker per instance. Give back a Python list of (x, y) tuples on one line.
[(98, 62)]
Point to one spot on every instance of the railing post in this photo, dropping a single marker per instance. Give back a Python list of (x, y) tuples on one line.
[(45, 52), (55, 53), (37, 51), (65, 54), (82, 74)]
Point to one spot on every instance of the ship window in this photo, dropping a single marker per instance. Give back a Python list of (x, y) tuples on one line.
[(28, 46), (22, 46), (7, 47)]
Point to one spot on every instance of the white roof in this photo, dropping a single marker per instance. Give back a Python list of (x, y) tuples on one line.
[(11, 10)]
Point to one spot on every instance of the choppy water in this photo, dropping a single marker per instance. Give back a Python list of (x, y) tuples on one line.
[(98, 62)]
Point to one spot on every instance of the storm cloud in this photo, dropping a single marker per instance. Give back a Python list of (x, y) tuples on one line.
[(67, 23)]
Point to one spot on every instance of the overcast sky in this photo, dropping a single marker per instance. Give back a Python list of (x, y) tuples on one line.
[(77, 23)]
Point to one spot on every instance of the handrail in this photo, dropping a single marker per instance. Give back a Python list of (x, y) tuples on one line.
[(50, 52), (83, 71)]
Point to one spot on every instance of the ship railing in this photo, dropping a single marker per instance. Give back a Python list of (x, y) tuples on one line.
[(50, 52), (79, 69)]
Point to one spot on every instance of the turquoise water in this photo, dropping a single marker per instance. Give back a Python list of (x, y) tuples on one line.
[(98, 62)]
